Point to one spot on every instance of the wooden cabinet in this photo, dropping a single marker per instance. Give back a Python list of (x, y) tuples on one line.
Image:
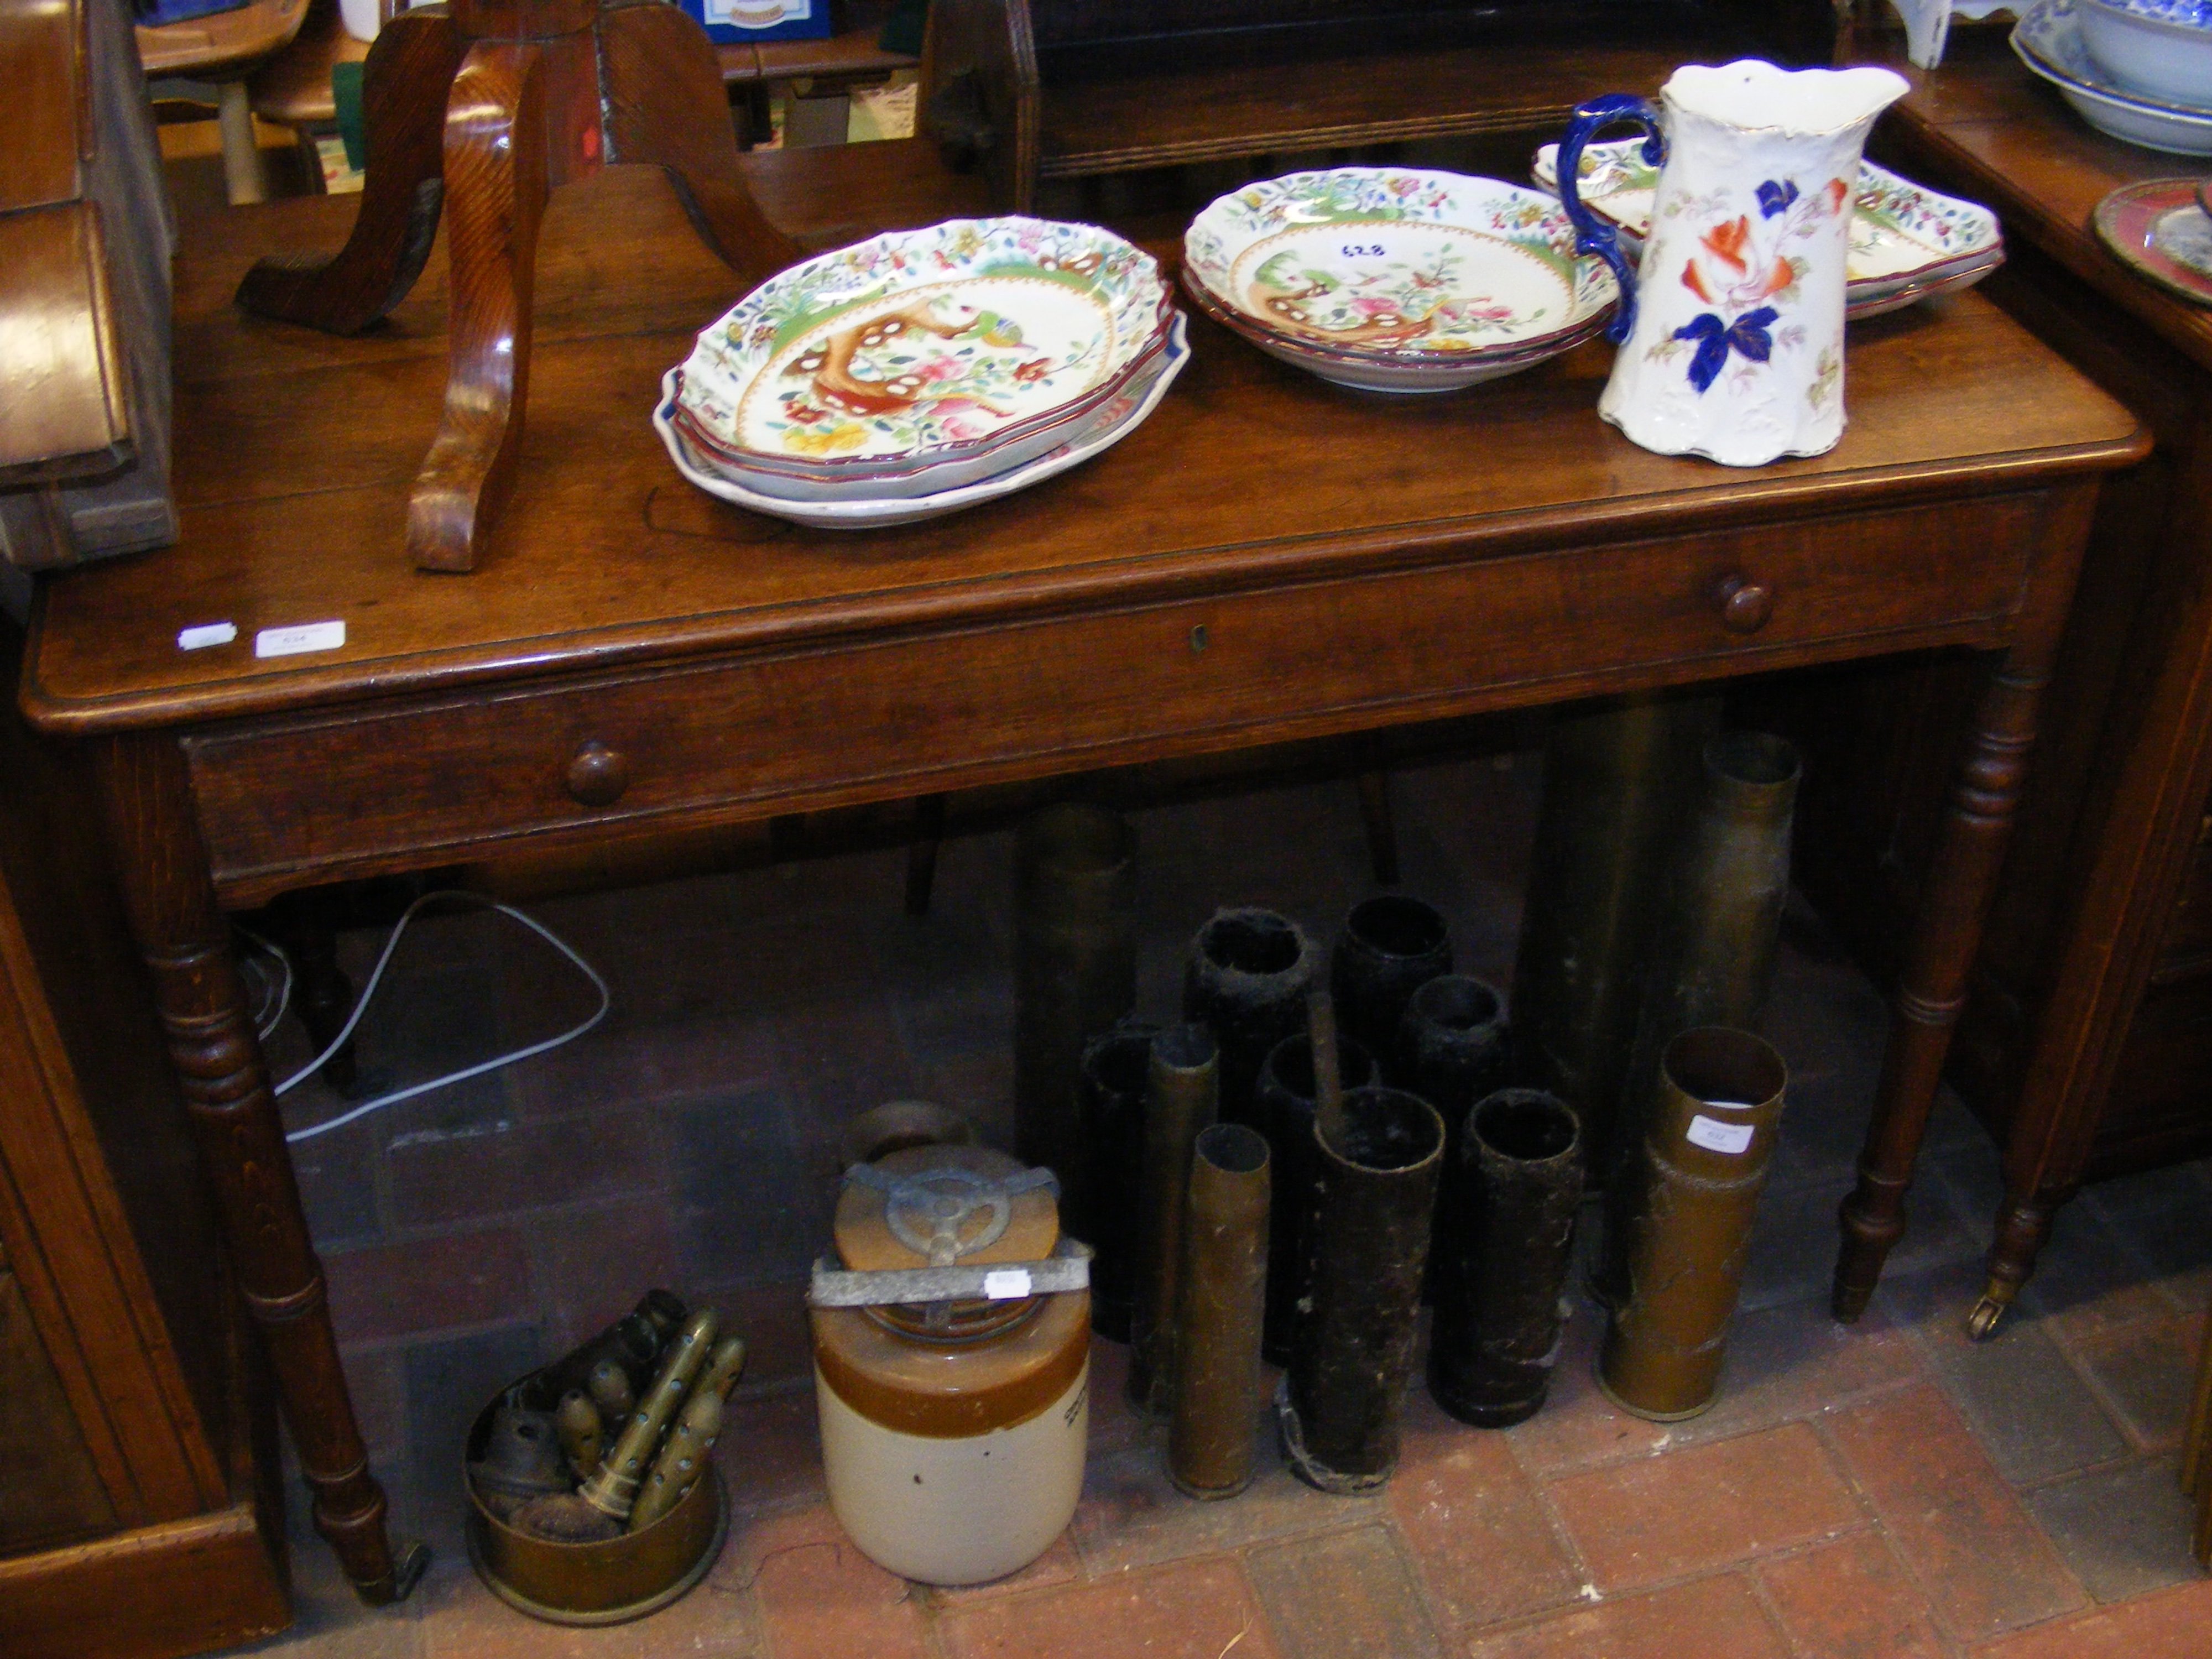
[(138, 1515)]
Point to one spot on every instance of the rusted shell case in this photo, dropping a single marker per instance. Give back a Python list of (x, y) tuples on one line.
[(1181, 1099), (1219, 1301), (1246, 980), (1617, 785), (1712, 951), (1339, 1405), (603, 1583), (1391, 946), (1286, 1118), (1706, 1152), (1116, 1070), (1075, 972), (1517, 1183), (1452, 1048)]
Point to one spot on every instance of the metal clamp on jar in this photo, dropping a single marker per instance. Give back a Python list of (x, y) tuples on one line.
[(952, 1362)]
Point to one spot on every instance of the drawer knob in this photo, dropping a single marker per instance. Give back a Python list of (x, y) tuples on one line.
[(597, 775), (1745, 605)]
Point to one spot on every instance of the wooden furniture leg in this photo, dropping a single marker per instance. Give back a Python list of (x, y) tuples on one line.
[(1960, 885), (244, 181), (1380, 825), (403, 97), (664, 104), (921, 852), (496, 138), (185, 938)]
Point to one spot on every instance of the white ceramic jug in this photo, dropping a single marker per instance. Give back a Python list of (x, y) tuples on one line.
[(1732, 338)]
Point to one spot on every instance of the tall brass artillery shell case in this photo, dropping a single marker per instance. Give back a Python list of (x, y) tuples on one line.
[(1339, 1405), (1391, 946), (1516, 1186), (1285, 1105), (1182, 1096), (1075, 973), (1617, 784), (1116, 1067), (1218, 1310), (1246, 980), (1706, 1151), (1712, 956)]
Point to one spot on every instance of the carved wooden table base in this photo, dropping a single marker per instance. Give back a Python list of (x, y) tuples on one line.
[(483, 108)]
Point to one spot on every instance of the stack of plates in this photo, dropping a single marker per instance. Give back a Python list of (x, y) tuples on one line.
[(1908, 243), (923, 371), (2049, 40), (1390, 279)]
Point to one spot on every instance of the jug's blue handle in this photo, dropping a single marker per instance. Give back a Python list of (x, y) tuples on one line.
[(1592, 233)]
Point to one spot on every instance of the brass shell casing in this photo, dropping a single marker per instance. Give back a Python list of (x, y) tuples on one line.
[(1706, 1151), (1182, 1097), (1075, 974), (1617, 787), (1220, 1302), (1712, 948)]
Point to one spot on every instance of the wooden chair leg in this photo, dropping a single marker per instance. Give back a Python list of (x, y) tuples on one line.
[(664, 105), (921, 852), (403, 91), (1381, 826), (244, 179), (497, 186)]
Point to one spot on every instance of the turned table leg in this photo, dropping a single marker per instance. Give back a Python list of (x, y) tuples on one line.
[(186, 941), (1962, 878)]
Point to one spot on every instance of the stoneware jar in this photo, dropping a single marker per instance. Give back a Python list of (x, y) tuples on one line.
[(953, 1432), (1732, 338)]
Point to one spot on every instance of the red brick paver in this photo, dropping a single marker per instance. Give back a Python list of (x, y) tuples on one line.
[(1710, 1618), (1985, 1566), (2172, 1624), (1852, 1600), (1474, 1524), (1191, 1611), (1710, 1506)]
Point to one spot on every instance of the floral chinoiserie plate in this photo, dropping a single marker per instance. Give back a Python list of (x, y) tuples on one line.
[(1104, 427), (1397, 265), (2048, 40), (1908, 243), (2162, 230), (971, 337)]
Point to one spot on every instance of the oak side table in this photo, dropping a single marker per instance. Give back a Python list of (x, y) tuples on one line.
[(1264, 560)]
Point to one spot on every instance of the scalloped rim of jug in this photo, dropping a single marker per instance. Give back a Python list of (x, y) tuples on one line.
[(1805, 103)]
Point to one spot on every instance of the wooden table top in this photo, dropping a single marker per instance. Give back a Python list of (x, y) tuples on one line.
[(2016, 142), (296, 453)]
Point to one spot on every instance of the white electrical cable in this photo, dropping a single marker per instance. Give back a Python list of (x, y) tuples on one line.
[(269, 1021), (606, 1001)]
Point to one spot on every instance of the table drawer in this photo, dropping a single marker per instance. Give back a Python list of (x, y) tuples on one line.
[(1034, 695)]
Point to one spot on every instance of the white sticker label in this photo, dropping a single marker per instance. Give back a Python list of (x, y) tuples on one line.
[(303, 636), (207, 634), (1002, 1283), (1718, 1137)]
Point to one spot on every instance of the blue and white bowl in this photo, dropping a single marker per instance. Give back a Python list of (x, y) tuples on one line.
[(2159, 47), (2048, 41)]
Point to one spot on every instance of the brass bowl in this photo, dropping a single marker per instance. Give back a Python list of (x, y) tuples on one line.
[(603, 1583)]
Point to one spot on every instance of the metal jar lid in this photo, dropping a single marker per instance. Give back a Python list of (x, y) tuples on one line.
[(944, 1206)]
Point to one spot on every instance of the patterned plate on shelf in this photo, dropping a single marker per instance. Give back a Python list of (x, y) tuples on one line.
[(1907, 241)]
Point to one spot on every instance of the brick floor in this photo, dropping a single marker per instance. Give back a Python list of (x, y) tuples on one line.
[(1885, 1491)]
